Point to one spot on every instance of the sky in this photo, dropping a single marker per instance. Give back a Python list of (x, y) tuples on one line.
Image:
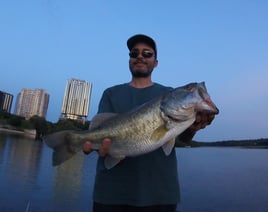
[(43, 43)]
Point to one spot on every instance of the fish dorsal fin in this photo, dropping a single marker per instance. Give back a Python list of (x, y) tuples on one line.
[(110, 162), (167, 147), (159, 133), (98, 119)]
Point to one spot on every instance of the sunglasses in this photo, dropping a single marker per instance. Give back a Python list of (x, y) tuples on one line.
[(144, 53)]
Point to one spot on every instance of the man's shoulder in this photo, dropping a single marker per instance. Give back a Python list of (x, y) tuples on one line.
[(124, 87), (116, 87), (162, 87), (119, 86)]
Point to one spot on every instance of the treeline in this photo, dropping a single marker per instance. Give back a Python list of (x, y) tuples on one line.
[(40, 124), (262, 142)]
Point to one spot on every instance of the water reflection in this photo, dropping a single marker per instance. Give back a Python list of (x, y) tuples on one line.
[(211, 179), (20, 164), (28, 180), (67, 182)]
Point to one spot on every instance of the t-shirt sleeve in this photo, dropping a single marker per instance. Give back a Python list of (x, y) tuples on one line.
[(105, 105)]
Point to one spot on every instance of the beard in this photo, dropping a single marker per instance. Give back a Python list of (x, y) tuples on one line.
[(138, 74)]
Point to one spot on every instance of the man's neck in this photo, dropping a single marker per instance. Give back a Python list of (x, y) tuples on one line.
[(141, 82)]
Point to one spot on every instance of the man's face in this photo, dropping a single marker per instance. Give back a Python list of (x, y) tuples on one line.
[(142, 60)]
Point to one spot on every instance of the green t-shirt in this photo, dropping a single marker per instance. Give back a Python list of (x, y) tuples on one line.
[(150, 179)]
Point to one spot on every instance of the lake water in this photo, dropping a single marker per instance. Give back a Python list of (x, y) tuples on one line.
[(211, 179)]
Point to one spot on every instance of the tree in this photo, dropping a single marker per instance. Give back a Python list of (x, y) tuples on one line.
[(15, 121), (40, 125)]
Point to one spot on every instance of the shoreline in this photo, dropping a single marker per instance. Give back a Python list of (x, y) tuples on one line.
[(27, 133)]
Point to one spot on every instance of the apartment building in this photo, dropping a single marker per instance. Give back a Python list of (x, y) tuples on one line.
[(32, 102), (5, 101), (76, 100)]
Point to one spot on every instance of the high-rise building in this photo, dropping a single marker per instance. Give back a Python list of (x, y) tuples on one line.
[(76, 100), (32, 102), (5, 101)]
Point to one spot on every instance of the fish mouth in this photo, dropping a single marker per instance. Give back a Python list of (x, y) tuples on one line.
[(215, 111), (211, 107)]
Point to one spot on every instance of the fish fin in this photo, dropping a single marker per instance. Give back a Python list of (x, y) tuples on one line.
[(159, 133), (110, 162), (98, 119), (60, 142), (60, 155), (168, 146)]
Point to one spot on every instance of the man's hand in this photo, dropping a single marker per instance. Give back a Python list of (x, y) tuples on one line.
[(202, 120), (104, 149)]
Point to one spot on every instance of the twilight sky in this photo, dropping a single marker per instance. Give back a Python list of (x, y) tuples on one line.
[(43, 43)]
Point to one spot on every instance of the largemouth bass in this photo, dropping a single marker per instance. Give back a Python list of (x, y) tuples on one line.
[(152, 125)]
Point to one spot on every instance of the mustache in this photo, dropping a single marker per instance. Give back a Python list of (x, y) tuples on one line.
[(140, 61)]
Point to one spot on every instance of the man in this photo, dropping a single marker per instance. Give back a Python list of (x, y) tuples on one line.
[(148, 182)]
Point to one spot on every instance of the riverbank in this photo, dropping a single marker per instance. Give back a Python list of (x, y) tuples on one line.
[(262, 142), (30, 133)]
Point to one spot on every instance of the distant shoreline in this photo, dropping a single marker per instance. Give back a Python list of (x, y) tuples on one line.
[(27, 133), (262, 142)]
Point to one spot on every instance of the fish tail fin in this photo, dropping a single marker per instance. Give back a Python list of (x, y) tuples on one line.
[(60, 142)]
